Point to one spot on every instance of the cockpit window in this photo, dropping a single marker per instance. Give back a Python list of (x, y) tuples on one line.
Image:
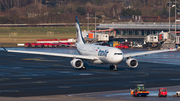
[(117, 53)]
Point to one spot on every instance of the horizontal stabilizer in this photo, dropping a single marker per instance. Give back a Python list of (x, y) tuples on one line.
[(4, 48)]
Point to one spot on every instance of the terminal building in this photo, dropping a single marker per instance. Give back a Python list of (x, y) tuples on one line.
[(142, 29), (136, 32)]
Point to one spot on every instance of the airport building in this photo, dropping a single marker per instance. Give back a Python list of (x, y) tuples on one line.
[(137, 32), (138, 29)]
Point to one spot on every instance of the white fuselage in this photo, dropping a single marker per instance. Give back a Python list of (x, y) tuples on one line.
[(107, 55)]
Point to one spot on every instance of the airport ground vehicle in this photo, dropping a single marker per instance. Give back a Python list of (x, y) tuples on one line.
[(33, 45), (51, 45), (139, 91), (162, 92), (48, 45), (27, 45), (122, 46), (66, 44), (40, 45)]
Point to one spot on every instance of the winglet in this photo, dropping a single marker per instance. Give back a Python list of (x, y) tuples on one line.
[(4, 48), (177, 47)]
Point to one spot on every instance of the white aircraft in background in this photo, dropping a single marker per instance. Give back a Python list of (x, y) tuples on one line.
[(97, 54)]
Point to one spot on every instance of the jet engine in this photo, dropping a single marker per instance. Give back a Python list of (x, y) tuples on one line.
[(77, 63), (132, 63)]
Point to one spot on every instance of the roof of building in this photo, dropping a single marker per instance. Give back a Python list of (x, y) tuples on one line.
[(148, 26)]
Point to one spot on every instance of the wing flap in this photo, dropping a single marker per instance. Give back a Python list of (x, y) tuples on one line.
[(147, 52), (56, 54)]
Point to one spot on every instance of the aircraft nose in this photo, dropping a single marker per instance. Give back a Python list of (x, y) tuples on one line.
[(119, 58), (115, 59), (115, 56)]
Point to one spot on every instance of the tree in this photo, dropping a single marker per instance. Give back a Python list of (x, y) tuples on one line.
[(164, 13), (172, 12), (3, 20), (128, 12), (8, 4), (116, 9), (138, 12), (81, 10)]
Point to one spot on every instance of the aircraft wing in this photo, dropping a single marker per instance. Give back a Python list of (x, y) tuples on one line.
[(56, 54), (135, 54), (98, 43)]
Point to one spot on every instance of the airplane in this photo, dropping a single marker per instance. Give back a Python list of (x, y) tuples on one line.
[(96, 54)]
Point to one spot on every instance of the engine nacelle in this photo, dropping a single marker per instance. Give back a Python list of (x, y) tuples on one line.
[(77, 63), (132, 63)]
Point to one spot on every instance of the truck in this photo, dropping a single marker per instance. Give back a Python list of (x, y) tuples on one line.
[(162, 92), (139, 91)]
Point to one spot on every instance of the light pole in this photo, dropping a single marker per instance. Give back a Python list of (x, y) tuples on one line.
[(95, 23), (88, 22), (175, 15), (169, 16)]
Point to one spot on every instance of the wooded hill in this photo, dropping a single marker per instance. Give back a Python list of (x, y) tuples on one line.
[(63, 11)]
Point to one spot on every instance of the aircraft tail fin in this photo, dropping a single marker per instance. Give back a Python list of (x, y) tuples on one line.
[(78, 32)]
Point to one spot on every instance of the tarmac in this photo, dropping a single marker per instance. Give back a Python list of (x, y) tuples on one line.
[(28, 77)]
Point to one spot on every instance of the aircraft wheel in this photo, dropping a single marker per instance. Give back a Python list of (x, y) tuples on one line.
[(84, 67), (115, 68), (111, 67)]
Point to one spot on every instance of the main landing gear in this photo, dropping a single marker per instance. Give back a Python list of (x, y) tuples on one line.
[(84, 66), (113, 67)]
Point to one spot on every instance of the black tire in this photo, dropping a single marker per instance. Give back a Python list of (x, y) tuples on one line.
[(136, 95), (111, 67), (84, 68), (143, 95)]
